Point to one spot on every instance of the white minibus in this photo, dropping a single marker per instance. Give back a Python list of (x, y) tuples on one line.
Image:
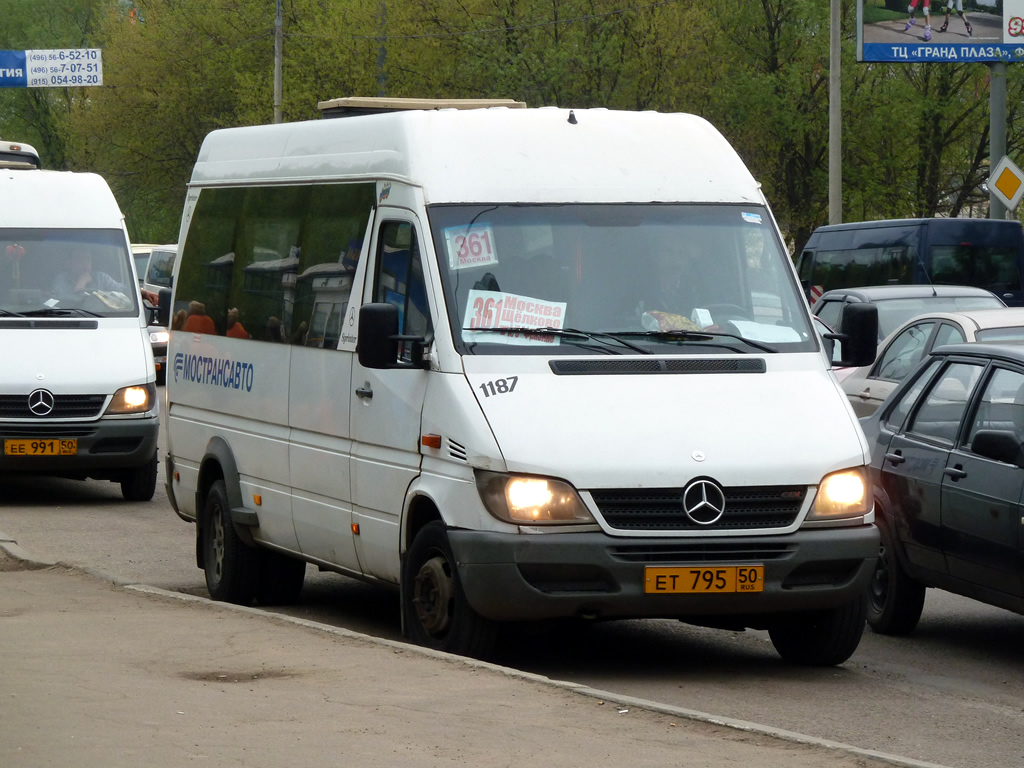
[(519, 364), (77, 383)]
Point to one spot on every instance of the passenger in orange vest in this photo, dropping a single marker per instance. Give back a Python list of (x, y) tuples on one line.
[(235, 328), (198, 321)]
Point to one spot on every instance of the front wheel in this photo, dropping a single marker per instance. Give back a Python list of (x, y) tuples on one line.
[(140, 483), (436, 612), (231, 567), (820, 638), (895, 601)]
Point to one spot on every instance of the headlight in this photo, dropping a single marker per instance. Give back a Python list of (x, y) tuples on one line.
[(159, 337), (531, 500), (842, 494), (138, 399)]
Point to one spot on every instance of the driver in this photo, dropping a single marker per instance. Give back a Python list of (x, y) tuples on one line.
[(80, 277)]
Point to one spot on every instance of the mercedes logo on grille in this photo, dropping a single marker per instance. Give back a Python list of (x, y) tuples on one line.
[(704, 502), (40, 402)]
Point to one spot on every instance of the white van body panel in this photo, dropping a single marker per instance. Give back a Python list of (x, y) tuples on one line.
[(573, 427), (452, 155), (37, 199), (69, 361)]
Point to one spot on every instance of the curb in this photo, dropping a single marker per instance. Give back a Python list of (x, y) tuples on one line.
[(10, 546)]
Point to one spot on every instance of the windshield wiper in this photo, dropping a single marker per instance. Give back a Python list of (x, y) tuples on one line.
[(696, 336), (8, 313), (62, 312), (600, 338)]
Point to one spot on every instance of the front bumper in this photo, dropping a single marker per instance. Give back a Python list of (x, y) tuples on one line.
[(519, 577), (106, 447)]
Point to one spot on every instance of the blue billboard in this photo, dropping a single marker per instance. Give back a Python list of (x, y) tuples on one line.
[(940, 30)]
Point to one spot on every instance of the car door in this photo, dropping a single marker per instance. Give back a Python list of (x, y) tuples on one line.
[(868, 387), (914, 465), (386, 404), (981, 497)]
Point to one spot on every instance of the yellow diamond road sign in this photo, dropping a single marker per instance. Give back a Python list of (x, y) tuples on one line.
[(1007, 182)]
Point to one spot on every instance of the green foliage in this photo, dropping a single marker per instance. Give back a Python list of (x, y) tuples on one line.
[(915, 136)]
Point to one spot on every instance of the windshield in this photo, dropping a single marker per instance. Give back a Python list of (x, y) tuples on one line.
[(59, 272), (619, 279)]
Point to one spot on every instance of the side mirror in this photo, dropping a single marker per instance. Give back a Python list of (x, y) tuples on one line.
[(998, 445), (163, 311), (378, 343), (858, 334)]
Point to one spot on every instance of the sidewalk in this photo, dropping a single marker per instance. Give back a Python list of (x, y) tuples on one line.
[(94, 675)]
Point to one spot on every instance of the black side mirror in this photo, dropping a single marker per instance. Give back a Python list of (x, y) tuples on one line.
[(163, 310), (859, 335), (378, 343), (998, 445)]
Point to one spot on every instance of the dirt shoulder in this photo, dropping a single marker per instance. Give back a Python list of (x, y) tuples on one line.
[(95, 674)]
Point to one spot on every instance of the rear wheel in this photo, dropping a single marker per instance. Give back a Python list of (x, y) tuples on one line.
[(821, 638), (280, 578), (437, 614), (140, 483), (895, 601), (230, 565)]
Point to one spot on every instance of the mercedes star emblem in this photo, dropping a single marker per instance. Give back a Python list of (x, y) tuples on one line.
[(704, 502), (40, 402)]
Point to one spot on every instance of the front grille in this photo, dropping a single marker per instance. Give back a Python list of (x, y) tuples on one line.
[(64, 407), (45, 431), (661, 509)]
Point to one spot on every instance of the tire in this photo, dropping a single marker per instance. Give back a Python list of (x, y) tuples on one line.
[(436, 612), (821, 638), (279, 578), (231, 567), (140, 483), (895, 601)]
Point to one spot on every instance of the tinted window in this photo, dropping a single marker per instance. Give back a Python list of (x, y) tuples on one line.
[(995, 268), (272, 263), (943, 409), (949, 334), (1011, 333), (892, 313), (874, 265)]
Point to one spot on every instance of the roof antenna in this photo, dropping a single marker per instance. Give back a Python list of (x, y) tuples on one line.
[(927, 276), (572, 118)]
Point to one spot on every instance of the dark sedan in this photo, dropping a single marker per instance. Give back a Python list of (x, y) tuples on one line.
[(948, 472)]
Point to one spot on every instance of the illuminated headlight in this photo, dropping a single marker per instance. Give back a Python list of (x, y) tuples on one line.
[(159, 337), (137, 399), (531, 500), (842, 494)]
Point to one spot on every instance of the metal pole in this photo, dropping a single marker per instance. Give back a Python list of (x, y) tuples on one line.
[(277, 65), (835, 126), (996, 130)]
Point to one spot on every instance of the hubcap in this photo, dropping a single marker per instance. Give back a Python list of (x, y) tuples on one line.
[(433, 593)]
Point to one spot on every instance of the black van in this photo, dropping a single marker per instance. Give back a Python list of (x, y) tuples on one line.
[(987, 253)]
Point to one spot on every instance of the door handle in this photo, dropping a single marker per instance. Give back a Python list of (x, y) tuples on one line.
[(956, 472), (895, 458), (364, 392)]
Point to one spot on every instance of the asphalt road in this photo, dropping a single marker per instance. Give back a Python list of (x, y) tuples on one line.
[(951, 694)]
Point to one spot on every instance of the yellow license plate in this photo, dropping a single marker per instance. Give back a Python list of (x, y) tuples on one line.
[(40, 447), (704, 579)]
